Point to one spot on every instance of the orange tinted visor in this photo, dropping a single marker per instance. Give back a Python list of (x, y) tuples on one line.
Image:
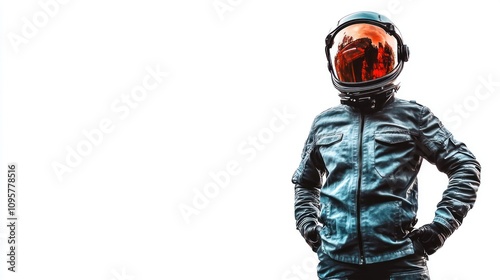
[(363, 52)]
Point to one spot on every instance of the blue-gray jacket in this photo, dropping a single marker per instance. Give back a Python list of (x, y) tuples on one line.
[(358, 177)]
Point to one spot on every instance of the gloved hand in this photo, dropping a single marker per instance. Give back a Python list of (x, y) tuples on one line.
[(432, 236), (310, 232)]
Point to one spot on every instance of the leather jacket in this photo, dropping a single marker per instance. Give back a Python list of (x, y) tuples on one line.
[(358, 178)]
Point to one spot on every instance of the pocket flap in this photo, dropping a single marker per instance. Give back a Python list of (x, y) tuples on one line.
[(393, 138), (329, 139)]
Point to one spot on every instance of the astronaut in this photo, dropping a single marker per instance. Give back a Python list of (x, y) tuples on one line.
[(356, 185)]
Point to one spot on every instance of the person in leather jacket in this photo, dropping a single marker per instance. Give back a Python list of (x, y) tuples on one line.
[(356, 185)]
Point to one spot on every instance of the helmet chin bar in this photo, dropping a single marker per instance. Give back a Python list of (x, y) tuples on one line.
[(371, 101)]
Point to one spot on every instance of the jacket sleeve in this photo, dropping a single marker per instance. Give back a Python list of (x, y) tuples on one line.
[(308, 181), (453, 158)]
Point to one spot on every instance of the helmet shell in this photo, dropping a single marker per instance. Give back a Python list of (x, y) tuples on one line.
[(360, 60)]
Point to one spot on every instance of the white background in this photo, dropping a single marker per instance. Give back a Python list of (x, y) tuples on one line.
[(232, 64)]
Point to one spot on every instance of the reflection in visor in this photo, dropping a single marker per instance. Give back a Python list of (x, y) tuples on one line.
[(364, 52)]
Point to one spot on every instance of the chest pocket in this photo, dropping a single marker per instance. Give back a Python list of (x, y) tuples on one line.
[(332, 150), (394, 153)]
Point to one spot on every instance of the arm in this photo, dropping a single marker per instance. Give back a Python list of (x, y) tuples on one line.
[(308, 180), (453, 158)]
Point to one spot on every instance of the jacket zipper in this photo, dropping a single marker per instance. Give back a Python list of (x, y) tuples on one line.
[(358, 191)]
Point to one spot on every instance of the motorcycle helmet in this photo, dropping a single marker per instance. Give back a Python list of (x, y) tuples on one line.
[(365, 54)]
